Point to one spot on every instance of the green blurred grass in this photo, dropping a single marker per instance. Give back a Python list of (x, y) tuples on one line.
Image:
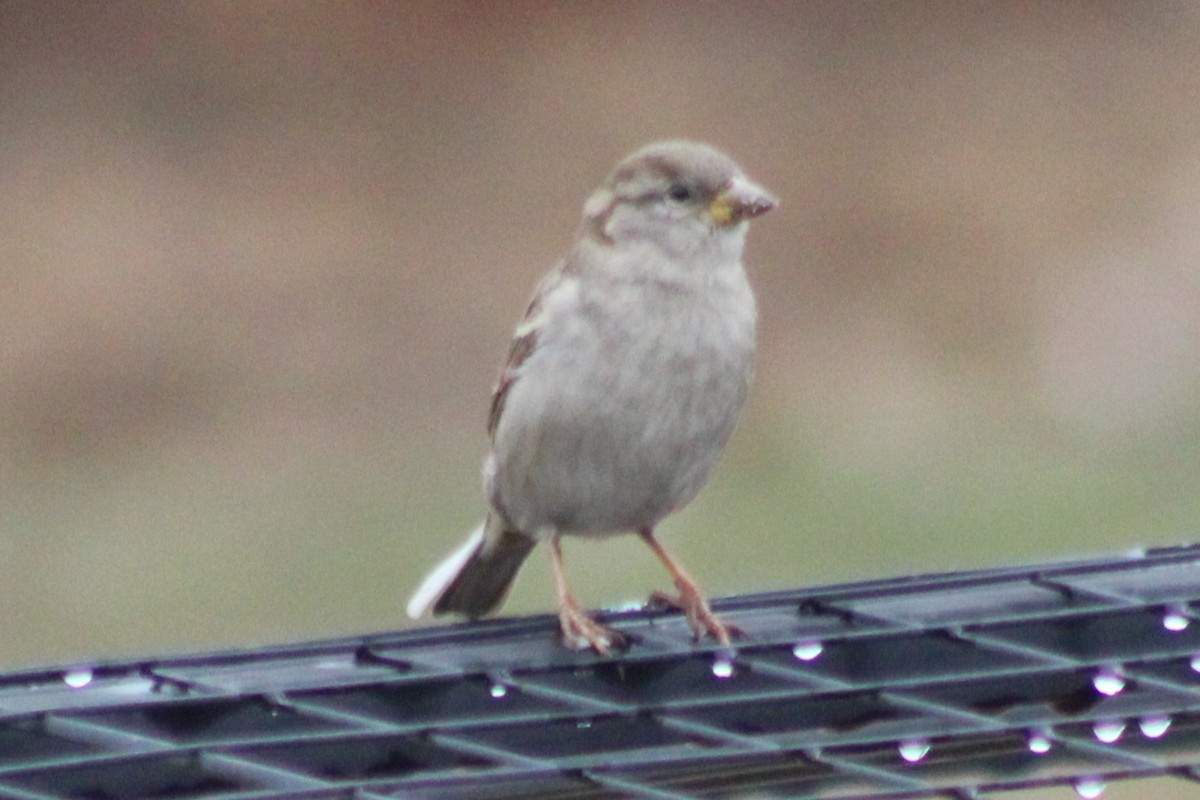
[(171, 553)]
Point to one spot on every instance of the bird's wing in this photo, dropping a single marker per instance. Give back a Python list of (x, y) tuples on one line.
[(524, 342)]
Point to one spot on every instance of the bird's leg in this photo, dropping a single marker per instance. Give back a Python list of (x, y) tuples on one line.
[(699, 616), (579, 631)]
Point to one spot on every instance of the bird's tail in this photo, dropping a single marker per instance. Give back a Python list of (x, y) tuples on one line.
[(474, 579)]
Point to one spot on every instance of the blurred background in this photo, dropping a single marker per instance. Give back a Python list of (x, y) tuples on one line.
[(259, 263)]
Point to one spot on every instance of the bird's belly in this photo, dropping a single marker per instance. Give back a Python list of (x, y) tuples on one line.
[(617, 449)]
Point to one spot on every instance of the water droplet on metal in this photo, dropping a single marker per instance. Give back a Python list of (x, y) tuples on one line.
[(1108, 682), (722, 668), (583, 724), (1089, 788), (808, 651), (78, 678), (1108, 731), (1196, 663), (627, 607), (1040, 744), (498, 690), (914, 750), (1154, 727), (1175, 620)]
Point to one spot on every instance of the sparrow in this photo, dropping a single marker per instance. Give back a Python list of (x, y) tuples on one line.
[(624, 381)]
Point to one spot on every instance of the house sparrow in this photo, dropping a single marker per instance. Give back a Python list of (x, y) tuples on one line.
[(624, 380)]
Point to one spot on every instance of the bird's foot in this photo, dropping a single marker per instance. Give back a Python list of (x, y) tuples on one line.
[(580, 632), (700, 616)]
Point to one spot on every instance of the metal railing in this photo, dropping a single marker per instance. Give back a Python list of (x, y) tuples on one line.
[(952, 685)]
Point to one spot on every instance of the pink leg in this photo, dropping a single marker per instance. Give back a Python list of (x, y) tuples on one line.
[(579, 631), (699, 616)]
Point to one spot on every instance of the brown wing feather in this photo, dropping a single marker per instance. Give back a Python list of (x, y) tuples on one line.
[(522, 345)]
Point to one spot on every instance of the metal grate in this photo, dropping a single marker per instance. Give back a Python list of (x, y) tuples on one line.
[(955, 685)]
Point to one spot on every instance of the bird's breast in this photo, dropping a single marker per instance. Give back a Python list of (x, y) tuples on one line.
[(618, 415)]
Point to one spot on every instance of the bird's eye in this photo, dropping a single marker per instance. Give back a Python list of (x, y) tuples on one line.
[(679, 192)]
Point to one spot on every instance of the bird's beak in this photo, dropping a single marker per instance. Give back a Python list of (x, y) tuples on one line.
[(741, 199)]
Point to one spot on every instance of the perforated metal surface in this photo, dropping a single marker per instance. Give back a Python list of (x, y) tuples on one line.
[(955, 685)]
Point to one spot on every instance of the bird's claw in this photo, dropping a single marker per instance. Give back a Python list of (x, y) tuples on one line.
[(700, 616), (581, 632)]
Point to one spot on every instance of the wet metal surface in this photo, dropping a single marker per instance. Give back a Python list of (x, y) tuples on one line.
[(962, 684)]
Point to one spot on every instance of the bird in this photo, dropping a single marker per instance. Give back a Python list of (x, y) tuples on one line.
[(624, 381)]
